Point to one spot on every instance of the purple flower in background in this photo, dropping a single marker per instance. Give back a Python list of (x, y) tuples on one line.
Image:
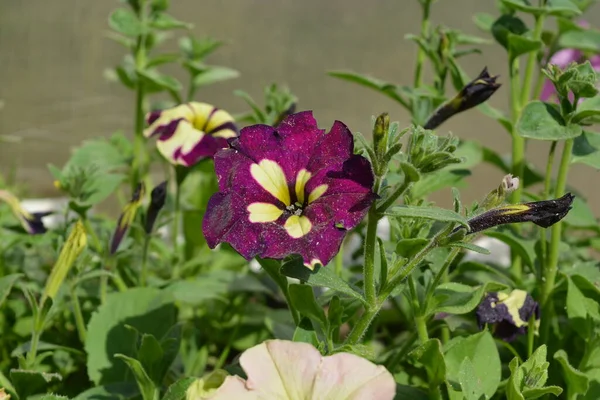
[(289, 190), (190, 132), (508, 313)]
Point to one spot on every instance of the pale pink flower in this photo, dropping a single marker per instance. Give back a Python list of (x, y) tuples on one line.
[(285, 370)]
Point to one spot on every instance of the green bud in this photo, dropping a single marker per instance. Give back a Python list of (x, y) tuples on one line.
[(72, 248), (380, 134)]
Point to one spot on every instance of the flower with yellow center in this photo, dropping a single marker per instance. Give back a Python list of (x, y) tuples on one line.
[(289, 190)]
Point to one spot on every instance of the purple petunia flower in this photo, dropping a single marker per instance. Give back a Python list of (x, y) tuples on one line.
[(190, 132), (289, 190), (508, 313)]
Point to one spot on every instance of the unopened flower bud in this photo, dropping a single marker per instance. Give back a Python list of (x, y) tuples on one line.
[(380, 133), (157, 202), (473, 94)]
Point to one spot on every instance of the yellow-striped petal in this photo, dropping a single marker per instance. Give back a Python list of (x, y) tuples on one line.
[(166, 116), (301, 178), (184, 139), (297, 226), (270, 176), (317, 192), (264, 212)]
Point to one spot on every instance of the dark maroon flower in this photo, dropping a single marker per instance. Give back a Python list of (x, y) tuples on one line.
[(290, 190), (509, 314)]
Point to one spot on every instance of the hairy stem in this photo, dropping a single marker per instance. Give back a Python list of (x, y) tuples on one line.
[(370, 246), (139, 142), (555, 237), (79, 321), (424, 34), (531, 69)]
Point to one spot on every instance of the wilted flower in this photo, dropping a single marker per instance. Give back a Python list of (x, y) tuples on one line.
[(190, 132), (127, 216), (4, 395), (508, 313), (157, 202), (473, 94), (31, 222), (542, 213), (281, 369), (290, 190)]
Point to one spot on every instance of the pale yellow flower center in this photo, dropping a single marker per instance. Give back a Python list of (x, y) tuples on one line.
[(270, 176)]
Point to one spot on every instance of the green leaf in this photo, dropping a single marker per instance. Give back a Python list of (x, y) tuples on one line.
[(383, 87), (577, 382), (438, 180), (320, 276), (472, 387), (147, 388), (404, 392), (6, 284), (435, 213), (164, 82), (178, 389), (162, 59), (305, 333), (54, 397), (506, 25), (471, 247), (586, 40), (525, 248), (484, 21), (303, 300), (457, 298), (586, 149), (150, 355), (214, 75), (408, 248), (108, 335), (519, 45), (430, 355), (100, 187), (114, 391), (581, 216), (126, 22), (481, 350), (527, 381), (209, 286), (589, 107), (27, 383), (576, 304), (167, 22), (542, 121)]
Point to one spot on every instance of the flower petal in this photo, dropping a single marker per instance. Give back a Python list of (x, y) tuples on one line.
[(281, 369), (345, 376), (234, 387), (332, 148), (564, 57)]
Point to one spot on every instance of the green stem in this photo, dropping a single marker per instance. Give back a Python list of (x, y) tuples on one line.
[(139, 143), (530, 335), (546, 194), (144, 268), (555, 237), (79, 321), (32, 353), (175, 231), (339, 260), (530, 69), (393, 197), (426, 5), (370, 246), (90, 231), (518, 153), (361, 326), (365, 320), (274, 272)]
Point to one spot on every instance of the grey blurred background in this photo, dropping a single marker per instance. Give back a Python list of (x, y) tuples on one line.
[(53, 55)]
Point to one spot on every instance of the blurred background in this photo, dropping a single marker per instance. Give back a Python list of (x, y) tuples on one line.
[(53, 55)]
